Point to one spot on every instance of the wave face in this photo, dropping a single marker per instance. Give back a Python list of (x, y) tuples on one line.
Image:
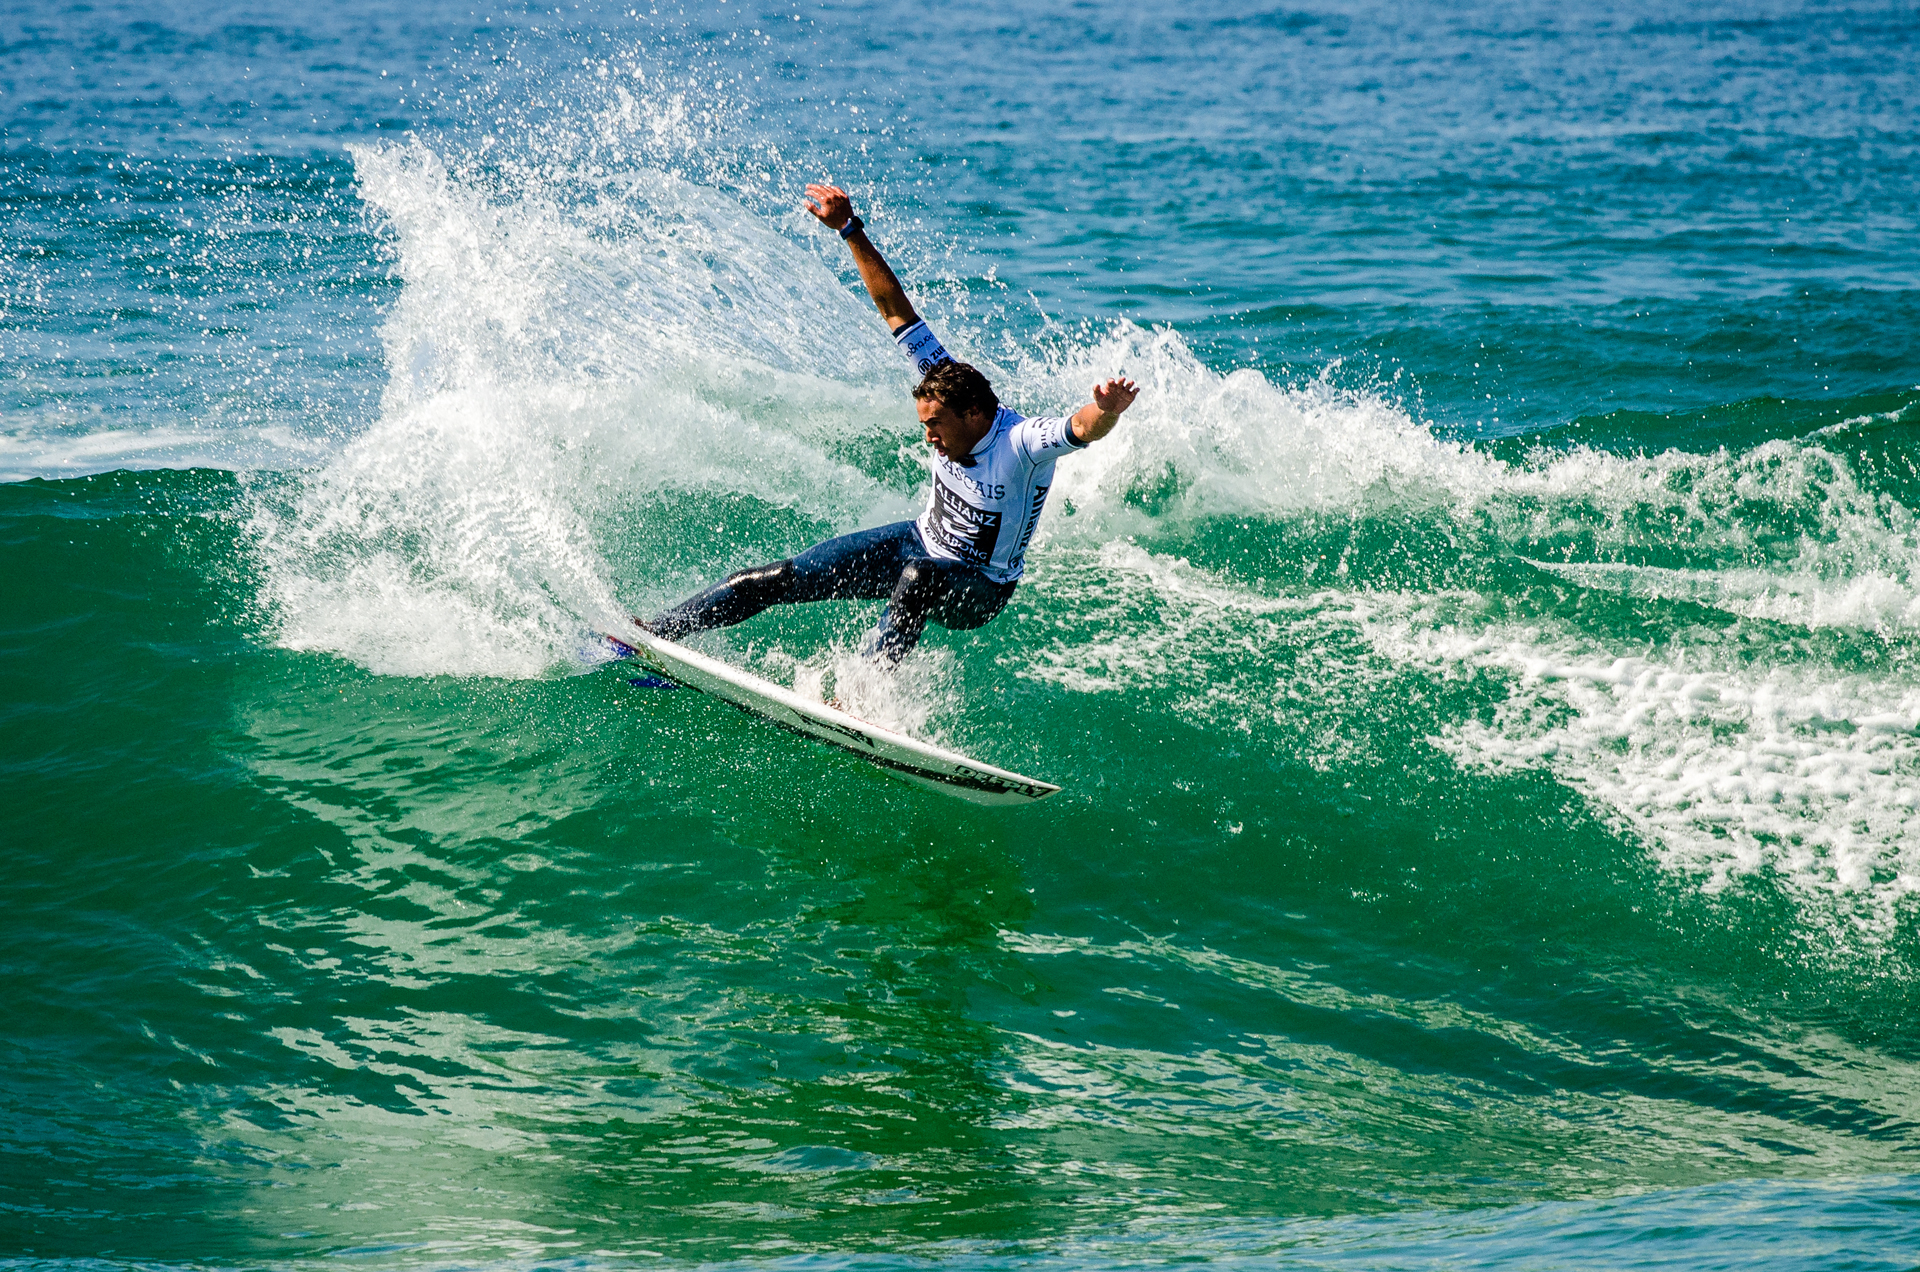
[(1481, 670)]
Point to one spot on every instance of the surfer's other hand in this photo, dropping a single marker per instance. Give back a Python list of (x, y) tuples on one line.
[(1116, 395), (833, 207)]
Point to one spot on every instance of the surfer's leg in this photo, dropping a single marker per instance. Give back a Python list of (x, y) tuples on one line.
[(953, 596), (970, 600), (863, 564), (734, 599), (905, 617)]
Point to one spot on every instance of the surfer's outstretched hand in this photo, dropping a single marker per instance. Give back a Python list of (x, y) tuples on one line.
[(1116, 395), (831, 204), (1095, 420)]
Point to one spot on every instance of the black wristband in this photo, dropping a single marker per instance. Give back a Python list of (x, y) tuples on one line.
[(853, 226)]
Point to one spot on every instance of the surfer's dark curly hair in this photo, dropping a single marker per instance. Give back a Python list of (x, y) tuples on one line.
[(960, 388)]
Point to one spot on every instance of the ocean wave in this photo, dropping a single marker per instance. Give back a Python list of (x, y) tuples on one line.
[(570, 377)]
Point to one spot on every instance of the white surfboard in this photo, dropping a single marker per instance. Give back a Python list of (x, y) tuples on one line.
[(907, 757)]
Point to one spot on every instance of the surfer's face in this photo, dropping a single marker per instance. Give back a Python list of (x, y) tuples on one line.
[(950, 433)]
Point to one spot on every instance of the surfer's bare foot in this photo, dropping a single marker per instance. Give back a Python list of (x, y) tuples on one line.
[(836, 704), (645, 626)]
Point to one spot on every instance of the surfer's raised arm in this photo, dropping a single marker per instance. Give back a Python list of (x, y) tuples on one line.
[(835, 210), (1097, 418)]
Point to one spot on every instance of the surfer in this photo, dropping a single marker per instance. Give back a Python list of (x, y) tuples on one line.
[(958, 563)]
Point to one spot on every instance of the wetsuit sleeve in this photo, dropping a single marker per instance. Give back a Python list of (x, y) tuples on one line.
[(1046, 437), (922, 346)]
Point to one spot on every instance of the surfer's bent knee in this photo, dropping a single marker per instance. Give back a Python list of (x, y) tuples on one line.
[(915, 576)]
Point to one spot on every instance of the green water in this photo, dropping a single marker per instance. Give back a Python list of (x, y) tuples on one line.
[(522, 968)]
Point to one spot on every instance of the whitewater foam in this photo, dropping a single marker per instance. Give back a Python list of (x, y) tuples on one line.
[(1200, 443), (1873, 602), (1804, 772)]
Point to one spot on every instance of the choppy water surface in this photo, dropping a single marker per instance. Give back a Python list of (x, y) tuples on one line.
[(1482, 668)]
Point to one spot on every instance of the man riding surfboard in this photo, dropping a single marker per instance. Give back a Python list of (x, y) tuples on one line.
[(958, 563)]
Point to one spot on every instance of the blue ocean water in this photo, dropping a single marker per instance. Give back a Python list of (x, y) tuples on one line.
[(1481, 671)]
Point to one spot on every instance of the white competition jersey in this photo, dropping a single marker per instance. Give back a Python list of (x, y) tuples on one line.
[(982, 510)]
